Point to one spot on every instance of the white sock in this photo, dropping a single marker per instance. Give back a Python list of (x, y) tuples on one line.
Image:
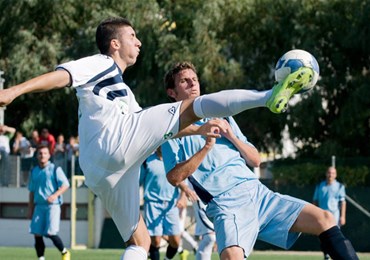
[(134, 252), (229, 102), (185, 235), (205, 247), (41, 258)]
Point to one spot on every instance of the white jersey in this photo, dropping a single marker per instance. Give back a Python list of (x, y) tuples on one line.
[(116, 136), (102, 95)]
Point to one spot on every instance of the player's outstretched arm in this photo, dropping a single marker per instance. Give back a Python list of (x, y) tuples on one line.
[(45, 82)]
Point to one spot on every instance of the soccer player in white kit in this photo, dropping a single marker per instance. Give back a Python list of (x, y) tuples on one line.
[(116, 135)]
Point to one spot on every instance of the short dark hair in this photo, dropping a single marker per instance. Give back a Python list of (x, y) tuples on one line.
[(42, 146), (108, 30), (169, 78)]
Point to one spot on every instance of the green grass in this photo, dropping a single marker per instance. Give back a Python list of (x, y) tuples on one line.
[(28, 253)]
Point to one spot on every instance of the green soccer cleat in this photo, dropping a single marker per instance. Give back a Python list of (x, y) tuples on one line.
[(284, 90)]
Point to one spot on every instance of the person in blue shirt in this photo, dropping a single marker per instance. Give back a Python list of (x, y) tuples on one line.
[(161, 212), (47, 183), (241, 207), (331, 195)]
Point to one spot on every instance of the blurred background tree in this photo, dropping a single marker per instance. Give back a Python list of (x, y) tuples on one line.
[(234, 44)]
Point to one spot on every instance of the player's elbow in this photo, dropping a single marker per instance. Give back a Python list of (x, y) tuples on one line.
[(173, 180)]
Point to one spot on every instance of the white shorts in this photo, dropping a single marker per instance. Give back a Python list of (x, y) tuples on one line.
[(111, 158)]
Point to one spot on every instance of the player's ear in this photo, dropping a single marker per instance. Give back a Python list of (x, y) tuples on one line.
[(171, 93), (114, 43)]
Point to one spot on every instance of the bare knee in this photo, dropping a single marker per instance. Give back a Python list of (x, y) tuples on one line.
[(232, 253), (325, 221), (313, 220), (328, 220)]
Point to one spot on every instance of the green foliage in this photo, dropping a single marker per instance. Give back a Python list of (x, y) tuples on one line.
[(310, 173), (234, 44)]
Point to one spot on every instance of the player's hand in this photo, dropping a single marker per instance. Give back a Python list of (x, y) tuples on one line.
[(210, 141), (228, 132), (191, 195), (52, 198), (181, 203), (213, 128), (6, 97)]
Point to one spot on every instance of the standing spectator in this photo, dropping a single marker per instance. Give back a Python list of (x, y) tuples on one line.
[(23, 148), (72, 151), (34, 140), (161, 213), (6, 133), (46, 186), (48, 140), (331, 195), (60, 152)]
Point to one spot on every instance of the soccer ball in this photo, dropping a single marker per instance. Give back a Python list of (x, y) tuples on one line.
[(292, 61)]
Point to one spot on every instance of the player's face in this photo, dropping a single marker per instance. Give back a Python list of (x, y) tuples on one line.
[(43, 156), (128, 45), (186, 85)]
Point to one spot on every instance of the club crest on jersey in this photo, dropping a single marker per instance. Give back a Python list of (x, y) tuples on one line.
[(168, 135), (172, 110)]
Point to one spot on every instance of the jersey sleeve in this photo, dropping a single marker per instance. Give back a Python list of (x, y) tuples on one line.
[(342, 193), (31, 185), (316, 194), (83, 70), (238, 133), (61, 177)]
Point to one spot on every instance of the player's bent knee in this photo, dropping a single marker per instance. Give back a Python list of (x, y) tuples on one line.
[(328, 220), (232, 252)]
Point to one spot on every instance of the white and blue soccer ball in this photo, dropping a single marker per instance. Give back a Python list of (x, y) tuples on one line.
[(292, 61)]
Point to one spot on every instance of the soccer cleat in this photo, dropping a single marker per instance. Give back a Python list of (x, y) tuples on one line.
[(284, 90), (184, 254), (66, 256)]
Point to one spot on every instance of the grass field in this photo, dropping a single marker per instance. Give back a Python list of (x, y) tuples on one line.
[(28, 253)]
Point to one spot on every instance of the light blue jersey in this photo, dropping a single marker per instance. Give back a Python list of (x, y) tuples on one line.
[(222, 169), (153, 179), (329, 197), (46, 181), (241, 208)]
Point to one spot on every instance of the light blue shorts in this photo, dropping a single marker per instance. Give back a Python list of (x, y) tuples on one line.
[(251, 211), (162, 218), (45, 220)]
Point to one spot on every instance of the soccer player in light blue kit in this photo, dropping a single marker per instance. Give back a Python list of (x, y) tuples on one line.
[(161, 213), (116, 135), (241, 207), (47, 183), (331, 195)]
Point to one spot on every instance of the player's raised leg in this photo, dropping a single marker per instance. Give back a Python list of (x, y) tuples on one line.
[(231, 102)]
